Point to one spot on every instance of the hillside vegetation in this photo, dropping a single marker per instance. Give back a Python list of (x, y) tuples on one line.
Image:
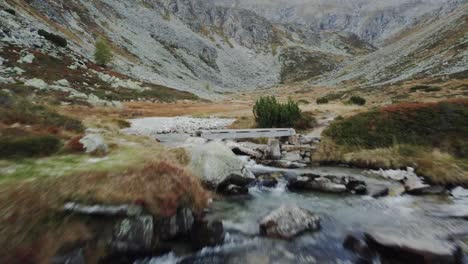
[(428, 136)]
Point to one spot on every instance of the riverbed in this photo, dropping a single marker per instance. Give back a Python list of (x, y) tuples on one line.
[(341, 215)]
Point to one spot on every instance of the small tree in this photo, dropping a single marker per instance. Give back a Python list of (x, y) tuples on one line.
[(103, 54)]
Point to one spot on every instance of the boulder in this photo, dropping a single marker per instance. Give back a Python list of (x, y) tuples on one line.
[(288, 221), (413, 250), (178, 224), (240, 149), (292, 156), (275, 149), (315, 183), (377, 191), (267, 180), (415, 186), (133, 234), (459, 193), (359, 247), (306, 140), (206, 234), (218, 166), (94, 143)]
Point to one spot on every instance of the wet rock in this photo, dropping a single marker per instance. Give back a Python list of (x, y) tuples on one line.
[(275, 149), (283, 164), (292, 156), (309, 183), (459, 210), (377, 191), (104, 210), (179, 224), (240, 149), (413, 250), (232, 189), (69, 256), (358, 247), (268, 181), (459, 193), (218, 166), (133, 234), (415, 186), (206, 234), (288, 221), (94, 143)]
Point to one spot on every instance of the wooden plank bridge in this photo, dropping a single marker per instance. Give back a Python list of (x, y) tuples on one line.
[(245, 133)]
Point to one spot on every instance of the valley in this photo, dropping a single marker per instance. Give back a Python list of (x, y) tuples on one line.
[(101, 160)]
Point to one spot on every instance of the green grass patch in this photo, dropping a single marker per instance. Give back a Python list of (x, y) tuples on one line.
[(443, 125), (28, 146)]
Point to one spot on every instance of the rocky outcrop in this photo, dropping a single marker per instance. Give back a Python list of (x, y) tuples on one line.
[(218, 167), (94, 143), (413, 250), (330, 184), (288, 221), (206, 234)]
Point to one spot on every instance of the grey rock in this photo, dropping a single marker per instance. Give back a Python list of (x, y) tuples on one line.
[(377, 191), (459, 193), (206, 234), (275, 149), (108, 210), (283, 164), (233, 189), (178, 224), (218, 167), (288, 221), (413, 250), (321, 184), (133, 234), (75, 256), (293, 156), (94, 143)]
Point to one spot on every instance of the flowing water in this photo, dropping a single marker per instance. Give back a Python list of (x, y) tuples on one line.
[(340, 215)]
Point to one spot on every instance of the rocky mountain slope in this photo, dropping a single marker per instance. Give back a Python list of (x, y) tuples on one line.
[(210, 47)]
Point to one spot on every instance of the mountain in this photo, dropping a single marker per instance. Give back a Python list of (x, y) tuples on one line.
[(210, 47)]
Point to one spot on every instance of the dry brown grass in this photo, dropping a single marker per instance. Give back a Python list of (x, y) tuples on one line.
[(438, 167), (30, 211)]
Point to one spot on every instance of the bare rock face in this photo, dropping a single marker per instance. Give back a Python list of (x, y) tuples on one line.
[(219, 167), (133, 234), (413, 250), (94, 143), (288, 221)]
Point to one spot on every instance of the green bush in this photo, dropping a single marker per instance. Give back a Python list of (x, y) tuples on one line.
[(443, 125), (103, 54), (27, 113), (357, 100), (29, 146), (322, 100), (55, 39), (268, 112)]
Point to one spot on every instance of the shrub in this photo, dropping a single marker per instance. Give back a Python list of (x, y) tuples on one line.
[(103, 54), (322, 100), (357, 100), (28, 146), (306, 121), (425, 88), (268, 112), (25, 112), (443, 125), (53, 38), (74, 144)]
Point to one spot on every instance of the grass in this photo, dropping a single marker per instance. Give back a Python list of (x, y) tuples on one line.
[(158, 185), (32, 191), (431, 137), (443, 125), (28, 113)]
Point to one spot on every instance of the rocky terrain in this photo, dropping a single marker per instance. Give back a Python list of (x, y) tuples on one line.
[(213, 47)]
